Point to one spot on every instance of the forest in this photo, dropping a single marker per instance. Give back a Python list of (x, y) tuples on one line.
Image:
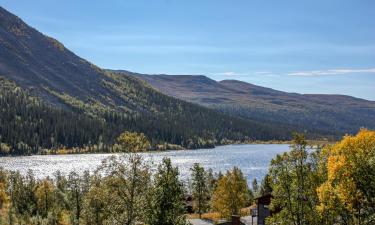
[(31, 126), (331, 184)]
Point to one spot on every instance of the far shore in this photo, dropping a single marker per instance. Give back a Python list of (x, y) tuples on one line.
[(178, 148)]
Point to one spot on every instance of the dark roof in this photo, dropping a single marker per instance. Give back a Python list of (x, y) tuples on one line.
[(264, 199), (264, 196)]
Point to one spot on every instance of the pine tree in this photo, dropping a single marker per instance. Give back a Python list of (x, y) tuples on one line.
[(167, 206), (200, 189), (75, 195), (255, 186)]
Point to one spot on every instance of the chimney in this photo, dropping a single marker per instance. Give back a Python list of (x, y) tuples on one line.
[(236, 220)]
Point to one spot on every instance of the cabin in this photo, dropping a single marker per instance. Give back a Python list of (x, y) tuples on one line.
[(262, 210)]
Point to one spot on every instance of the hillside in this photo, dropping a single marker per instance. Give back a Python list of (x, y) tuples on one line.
[(29, 125), (42, 67), (326, 113)]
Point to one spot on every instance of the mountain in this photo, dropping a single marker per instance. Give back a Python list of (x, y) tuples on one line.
[(338, 114), (51, 78)]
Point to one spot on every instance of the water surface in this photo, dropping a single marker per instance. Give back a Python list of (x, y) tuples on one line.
[(252, 159)]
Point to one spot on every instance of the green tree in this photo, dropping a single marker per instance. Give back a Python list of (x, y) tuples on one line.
[(22, 196), (127, 185), (200, 187), (61, 188), (95, 201), (211, 181), (75, 195), (255, 186), (231, 193), (166, 203), (293, 181)]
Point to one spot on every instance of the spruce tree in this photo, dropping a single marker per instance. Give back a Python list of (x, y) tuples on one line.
[(167, 206), (200, 189)]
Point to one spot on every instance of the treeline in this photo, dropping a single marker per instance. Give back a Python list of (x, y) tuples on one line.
[(330, 185), (30, 126), (122, 191)]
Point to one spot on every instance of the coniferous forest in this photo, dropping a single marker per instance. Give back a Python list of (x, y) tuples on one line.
[(30, 126)]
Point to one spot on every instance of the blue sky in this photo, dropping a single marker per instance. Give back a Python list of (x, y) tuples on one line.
[(316, 46)]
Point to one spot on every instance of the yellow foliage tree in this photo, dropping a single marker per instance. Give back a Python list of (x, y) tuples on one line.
[(45, 197), (348, 194), (231, 193), (133, 142), (4, 197)]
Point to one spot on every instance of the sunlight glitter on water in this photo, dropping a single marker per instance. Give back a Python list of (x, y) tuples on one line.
[(252, 159)]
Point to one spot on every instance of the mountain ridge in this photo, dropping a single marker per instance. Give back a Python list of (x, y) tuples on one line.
[(338, 113)]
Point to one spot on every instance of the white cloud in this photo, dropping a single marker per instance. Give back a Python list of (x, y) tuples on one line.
[(330, 72), (262, 72), (230, 74), (266, 74), (258, 73)]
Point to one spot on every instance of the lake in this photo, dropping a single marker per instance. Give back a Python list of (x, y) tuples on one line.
[(252, 159)]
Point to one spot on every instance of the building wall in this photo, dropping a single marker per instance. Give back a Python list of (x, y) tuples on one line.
[(263, 213)]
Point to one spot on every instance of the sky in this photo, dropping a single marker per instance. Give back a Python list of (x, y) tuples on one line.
[(311, 46)]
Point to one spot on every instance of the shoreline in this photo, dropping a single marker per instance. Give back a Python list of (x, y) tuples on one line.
[(219, 159), (152, 151), (72, 152)]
